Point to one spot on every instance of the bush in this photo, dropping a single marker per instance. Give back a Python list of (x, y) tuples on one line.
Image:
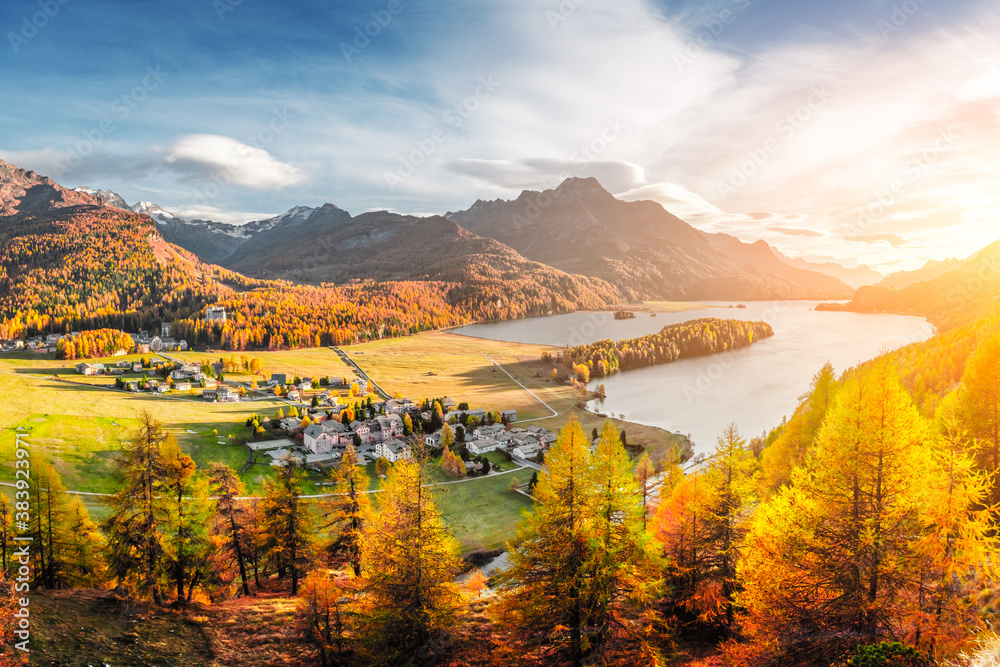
[(888, 654)]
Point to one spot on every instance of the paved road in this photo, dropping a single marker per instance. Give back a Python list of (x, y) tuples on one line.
[(533, 394), (348, 360)]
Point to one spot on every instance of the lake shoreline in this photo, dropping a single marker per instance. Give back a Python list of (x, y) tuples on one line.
[(754, 386)]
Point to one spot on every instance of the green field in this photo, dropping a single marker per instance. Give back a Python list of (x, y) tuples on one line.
[(498, 460), (81, 425), (483, 512)]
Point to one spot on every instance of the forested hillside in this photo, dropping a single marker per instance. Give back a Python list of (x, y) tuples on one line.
[(69, 263), (959, 296), (89, 267)]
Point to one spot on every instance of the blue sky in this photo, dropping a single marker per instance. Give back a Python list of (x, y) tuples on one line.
[(861, 130)]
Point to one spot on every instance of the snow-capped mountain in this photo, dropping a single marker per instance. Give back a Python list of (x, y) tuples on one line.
[(215, 241), (107, 197), (154, 211)]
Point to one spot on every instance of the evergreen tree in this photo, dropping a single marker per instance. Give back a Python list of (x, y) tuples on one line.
[(85, 565), (49, 524), (831, 560), (230, 517), (322, 609), (558, 591), (958, 540), (288, 523), (409, 560), (979, 399), (135, 530), (644, 471), (187, 545), (701, 526), (348, 509), (623, 575), (798, 434), (730, 476)]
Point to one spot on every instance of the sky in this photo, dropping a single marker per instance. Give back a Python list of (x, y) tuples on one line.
[(862, 131)]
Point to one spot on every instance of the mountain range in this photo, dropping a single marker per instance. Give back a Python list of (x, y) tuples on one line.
[(578, 228), (83, 257), (949, 293)]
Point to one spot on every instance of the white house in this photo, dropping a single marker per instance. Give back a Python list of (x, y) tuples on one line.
[(182, 386), (481, 446), (488, 431), (433, 440), (527, 451), (394, 450), (323, 438), (318, 440)]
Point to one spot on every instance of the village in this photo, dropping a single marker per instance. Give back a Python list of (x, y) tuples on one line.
[(320, 416), (393, 429), (143, 342), (319, 425)]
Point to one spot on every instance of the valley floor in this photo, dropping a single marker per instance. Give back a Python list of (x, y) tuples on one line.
[(81, 425)]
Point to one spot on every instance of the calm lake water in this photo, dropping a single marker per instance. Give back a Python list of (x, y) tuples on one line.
[(755, 387)]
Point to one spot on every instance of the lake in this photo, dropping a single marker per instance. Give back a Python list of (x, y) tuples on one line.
[(755, 386)]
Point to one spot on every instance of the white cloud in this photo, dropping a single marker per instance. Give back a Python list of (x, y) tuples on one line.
[(212, 157), (46, 162)]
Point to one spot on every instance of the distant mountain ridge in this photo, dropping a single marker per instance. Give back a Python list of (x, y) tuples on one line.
[(78, 259), (929, 271), (969, 290), (640, 247), (854, 277), (578, 228)]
